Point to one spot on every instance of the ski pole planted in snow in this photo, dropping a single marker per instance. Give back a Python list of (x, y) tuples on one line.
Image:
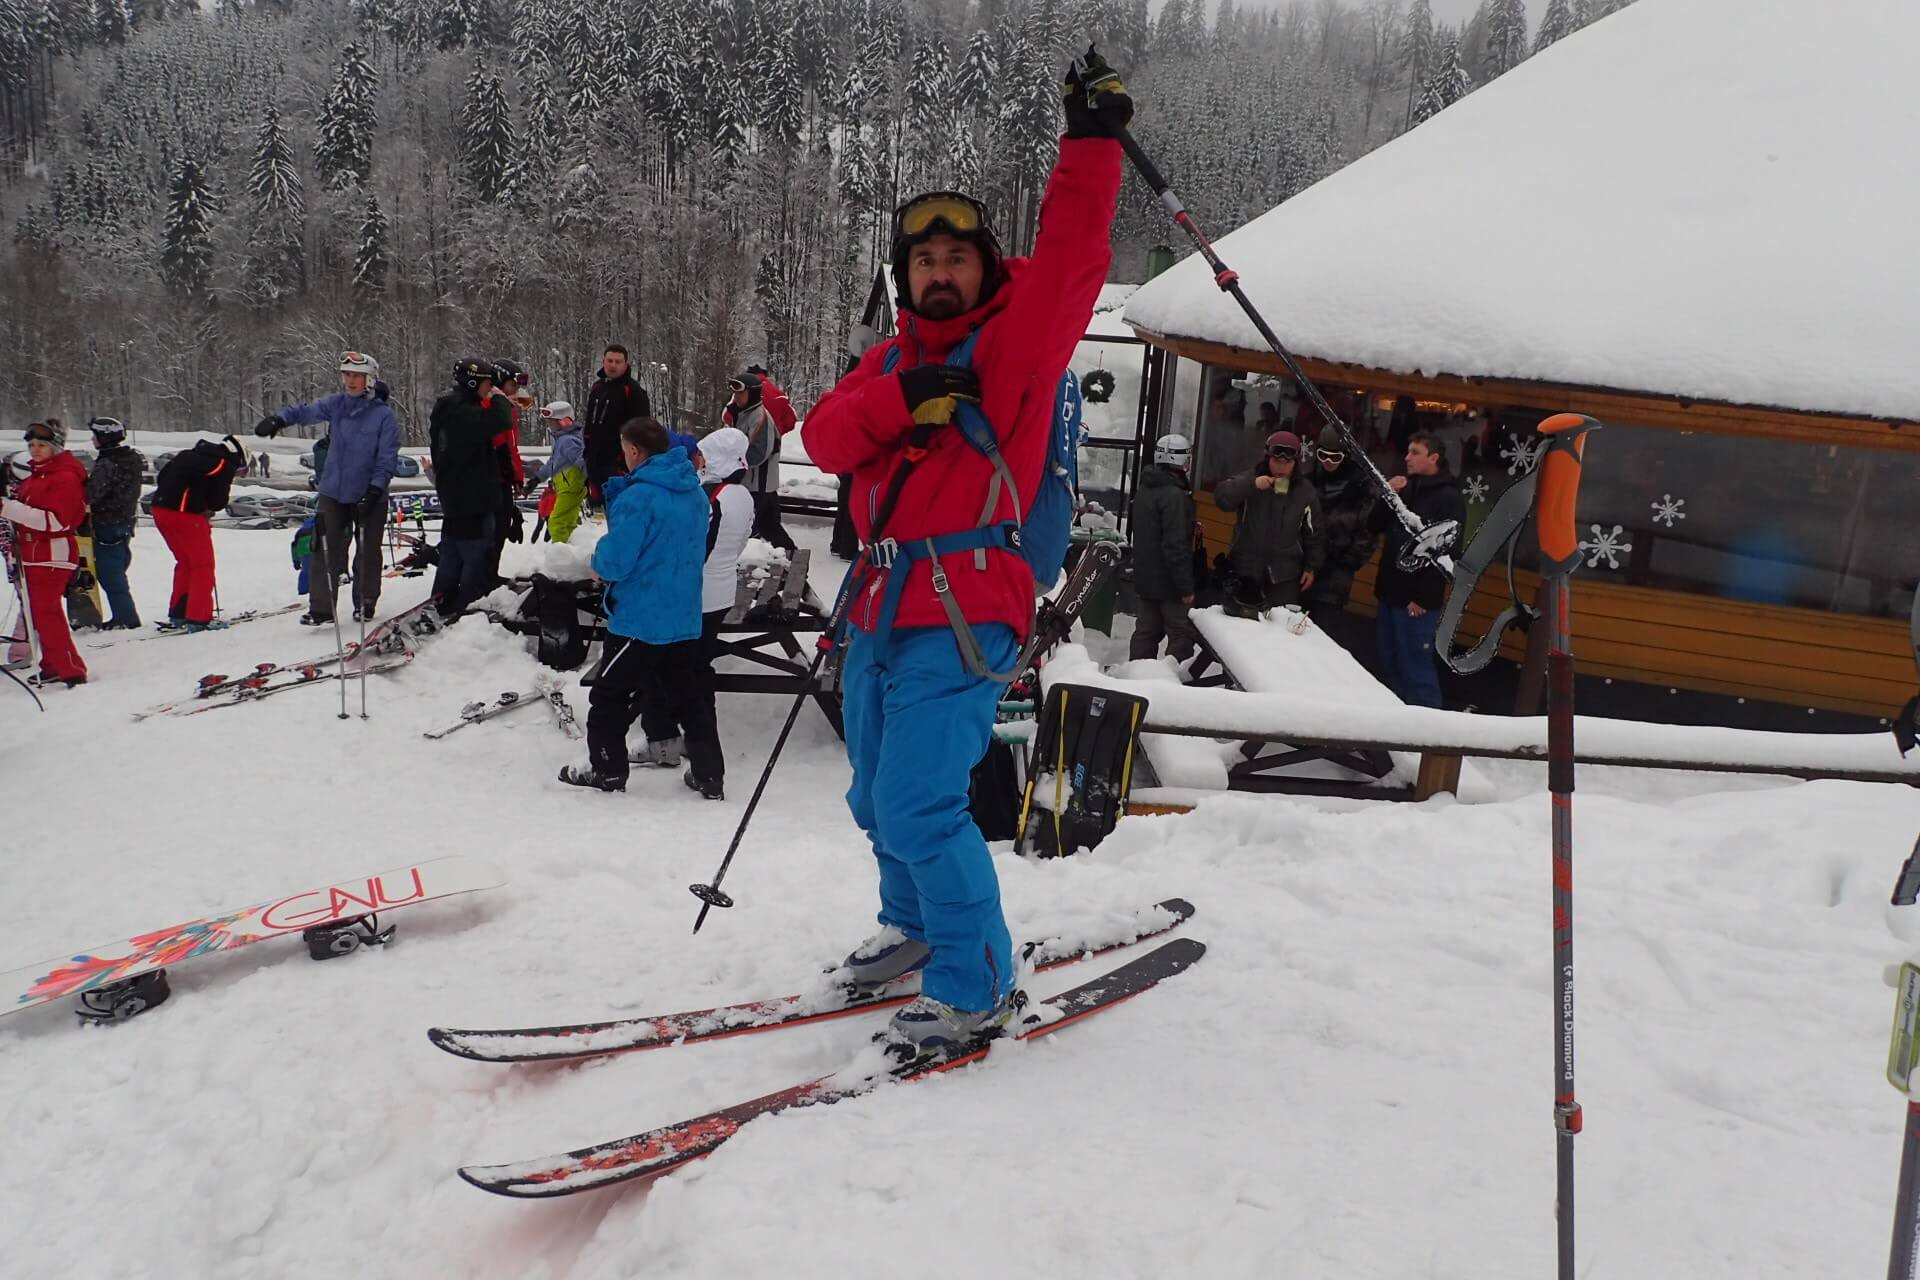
[(1429, 543), (1559, 554)]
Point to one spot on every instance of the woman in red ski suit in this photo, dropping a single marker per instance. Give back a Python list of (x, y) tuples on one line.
[(45, 509), (918, 716)]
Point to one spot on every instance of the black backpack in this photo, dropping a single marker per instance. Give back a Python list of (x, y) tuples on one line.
[(564, 618)]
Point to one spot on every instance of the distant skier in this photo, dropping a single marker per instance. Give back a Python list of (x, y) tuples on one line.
[(763, 415), (1278, 546), (353, 478), (45, 509), (466, 476), (616, 399), (942, 601), (192, 486), (113, 493), (565, 469), (650, 559), (1410, 602), (1163, 554)]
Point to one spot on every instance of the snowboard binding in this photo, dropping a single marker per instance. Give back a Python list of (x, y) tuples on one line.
[(343, 937), (118, 1001)]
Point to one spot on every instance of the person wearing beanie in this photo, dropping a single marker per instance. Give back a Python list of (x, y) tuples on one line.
[(466, 477), (1346, 509), (45, 509), (936, 629), (193, 485), (762, 416), (723, 475), (565, 469), (363, 452), (113, 493), (1278, 545)]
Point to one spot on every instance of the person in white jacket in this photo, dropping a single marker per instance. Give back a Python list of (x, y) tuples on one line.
[(723, 473)]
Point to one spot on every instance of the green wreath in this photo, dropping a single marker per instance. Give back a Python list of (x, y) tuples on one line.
[(1097, 387)]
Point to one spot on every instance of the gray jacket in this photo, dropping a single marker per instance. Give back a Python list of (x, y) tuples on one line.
[(1280, 534)]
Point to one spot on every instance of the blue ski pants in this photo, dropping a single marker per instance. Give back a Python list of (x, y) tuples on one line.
[(1406, 651), (917, 722), (112, 556)]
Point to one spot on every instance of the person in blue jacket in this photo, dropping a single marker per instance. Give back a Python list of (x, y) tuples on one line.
[(652, 559), (363, 455)]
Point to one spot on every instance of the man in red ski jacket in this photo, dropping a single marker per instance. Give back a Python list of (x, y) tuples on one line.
[(918, 700)]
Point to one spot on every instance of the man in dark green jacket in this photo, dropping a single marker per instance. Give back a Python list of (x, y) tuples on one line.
[(1163, 554), (1279, 544)]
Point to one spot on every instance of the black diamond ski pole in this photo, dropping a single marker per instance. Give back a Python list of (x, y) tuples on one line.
[(1559, 554), (1902, 1057), (1429, 542)]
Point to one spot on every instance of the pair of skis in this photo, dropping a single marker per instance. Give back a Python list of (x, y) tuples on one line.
[(231, 621), (645, 1156)]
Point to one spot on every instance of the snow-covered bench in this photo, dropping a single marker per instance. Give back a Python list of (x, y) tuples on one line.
[(1305, 699)]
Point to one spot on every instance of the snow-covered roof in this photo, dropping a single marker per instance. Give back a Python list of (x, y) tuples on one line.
[(1712, 199), (1108, 321)]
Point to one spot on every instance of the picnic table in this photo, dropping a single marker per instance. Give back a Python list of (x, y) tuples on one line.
[(773, 608)]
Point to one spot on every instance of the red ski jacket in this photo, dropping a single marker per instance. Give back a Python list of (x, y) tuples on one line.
[(1028, 330), (46, 508), (779, 408)]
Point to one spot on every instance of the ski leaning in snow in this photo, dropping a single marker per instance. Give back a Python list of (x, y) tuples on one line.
[(646, 1156), (224, 624), (475, 712), (562, 709), (104, 976), (592, 1039)]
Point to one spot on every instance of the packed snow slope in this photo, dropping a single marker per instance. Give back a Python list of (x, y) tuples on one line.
[(1705, 198), (1355, 1081)]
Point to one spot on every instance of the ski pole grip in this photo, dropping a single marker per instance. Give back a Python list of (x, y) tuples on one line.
[(1560, 488), (1141, 161)]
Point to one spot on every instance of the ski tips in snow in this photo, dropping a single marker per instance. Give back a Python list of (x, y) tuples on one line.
[(646, 1156)]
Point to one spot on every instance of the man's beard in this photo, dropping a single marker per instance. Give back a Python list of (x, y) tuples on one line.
[(942, 303)]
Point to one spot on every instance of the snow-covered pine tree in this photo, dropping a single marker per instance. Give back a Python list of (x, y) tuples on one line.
[(1446, 84), (343, 153), (486, 135), (279, 204), (1556, 24), (783, 113), (974, 79), (1415, 50), (930, 92), (1506, 36), (112, 21), (530, 174), (530, 32), (186, 257), (730, 121), (370, 250)]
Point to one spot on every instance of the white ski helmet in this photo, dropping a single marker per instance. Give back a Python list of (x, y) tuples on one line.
[(1173, 451), (359, 362)]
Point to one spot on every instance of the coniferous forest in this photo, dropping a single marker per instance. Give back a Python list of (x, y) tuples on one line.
[(206, 205)]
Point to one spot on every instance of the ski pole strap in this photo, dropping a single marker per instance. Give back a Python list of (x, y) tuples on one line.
[(1559, 473), (897, 558), (1500, 531)]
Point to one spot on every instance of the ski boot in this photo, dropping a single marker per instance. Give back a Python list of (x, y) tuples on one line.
[(664, 754), (888, 955), (929, 1032), (363, 612), (710, 790), (118, 1001), (314, 620), (584, 775)]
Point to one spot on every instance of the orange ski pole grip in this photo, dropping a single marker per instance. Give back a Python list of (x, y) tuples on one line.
[(1560, 489)]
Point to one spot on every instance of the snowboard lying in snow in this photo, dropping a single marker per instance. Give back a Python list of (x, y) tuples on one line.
[(646, 1156), (325, 912)]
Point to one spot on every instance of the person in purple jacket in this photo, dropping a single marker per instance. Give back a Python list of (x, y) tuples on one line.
[(364, 454)]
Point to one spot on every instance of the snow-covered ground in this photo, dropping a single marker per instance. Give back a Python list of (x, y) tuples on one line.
[(1355, 1082)]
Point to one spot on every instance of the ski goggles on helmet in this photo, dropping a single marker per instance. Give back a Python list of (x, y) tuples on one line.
[(107, 426), (938, 211), (40, 431), (1284, 452), (1331, 457), (358, 362)]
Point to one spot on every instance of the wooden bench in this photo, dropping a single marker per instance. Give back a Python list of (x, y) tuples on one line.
[(773, 607)]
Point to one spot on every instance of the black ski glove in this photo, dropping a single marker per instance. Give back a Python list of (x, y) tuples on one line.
[(516, 526), (271, 425), (374, 501), (934, 391), (1096, 100)]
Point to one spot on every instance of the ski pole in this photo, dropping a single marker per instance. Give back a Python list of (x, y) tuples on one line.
[(1560, 553), (1902, 1057), (363, 665), (1429, 541), (333, 590), (711, 895)]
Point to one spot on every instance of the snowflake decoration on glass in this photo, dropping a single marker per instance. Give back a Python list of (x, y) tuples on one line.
[(1668, 509), (1609, 546), (1521, 454), (1476, 489)]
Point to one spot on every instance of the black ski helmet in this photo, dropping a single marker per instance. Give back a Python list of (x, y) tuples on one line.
[(107, 432), (944, 213), (509, 373), (470, 373)]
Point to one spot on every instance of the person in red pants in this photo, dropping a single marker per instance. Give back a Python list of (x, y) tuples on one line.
[(45, 509), (189, 489)]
